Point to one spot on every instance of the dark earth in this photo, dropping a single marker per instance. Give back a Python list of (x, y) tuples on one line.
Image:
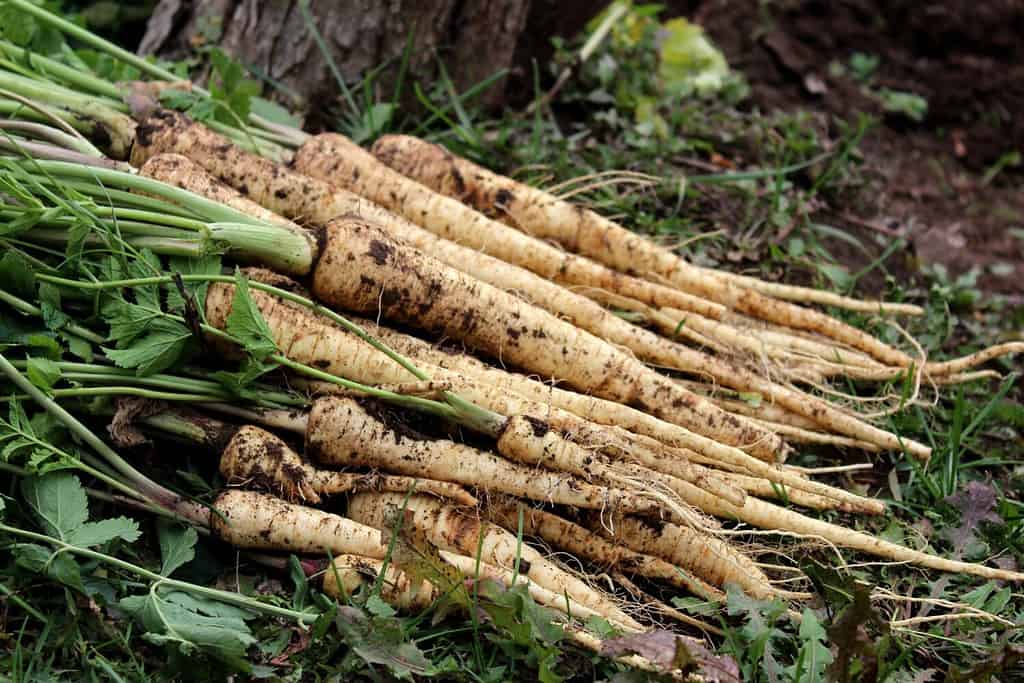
[(928, 179)]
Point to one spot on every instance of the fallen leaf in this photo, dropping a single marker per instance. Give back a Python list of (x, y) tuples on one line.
[(670, 651), (976, 502)]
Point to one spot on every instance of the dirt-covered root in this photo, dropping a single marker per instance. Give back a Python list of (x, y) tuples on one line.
[(762, 488), (179, 171), (809, 295), (346, 433), (348, 573), (771, 517), (304, 337), (585, 232), (712, 559), (564, 535), (451, 530), (334, 159), (363, 270), (533, 442), (257, 459), (247, 519)]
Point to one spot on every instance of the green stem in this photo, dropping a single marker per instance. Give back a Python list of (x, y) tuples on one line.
[(36, 312), (64, 224), (143, 65), (93, 372), (43, 150), (119, 127), (158, 580), (210, 210), (457, 408), (168, 246), (41, 131), (112, 197), (82, 80), (146, 486), (77, 464), (129, 391)]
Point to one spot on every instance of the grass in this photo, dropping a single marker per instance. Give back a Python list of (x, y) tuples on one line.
[(772, 222)]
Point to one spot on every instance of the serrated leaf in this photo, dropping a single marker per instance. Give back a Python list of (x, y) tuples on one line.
[(382, 641), (16, 26), (49, 302), (814, 656), (188, 623), (154, 352), (177, 546), (42, 372), (60, 567), (206, 265), (127, 321), (376, 606), (97, 533), (147, 265), (17, 276), (58, 501), (246, 323)]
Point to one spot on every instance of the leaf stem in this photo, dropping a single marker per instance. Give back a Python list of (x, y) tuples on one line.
[(228, 597), (145, 485), (23, 306)]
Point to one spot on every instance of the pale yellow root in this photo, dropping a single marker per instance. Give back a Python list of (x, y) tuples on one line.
[(584, 232), (308, 338), (179, 171), (248, 519), (542, 596), (712, 559), (334, 159), (764, 515), (762, 488), (343, 433), (817, 296), (362, 270), (532, 441), (350, 572), (311, 339), (447, 528), (255, 458), (564, 535), (798, 435)]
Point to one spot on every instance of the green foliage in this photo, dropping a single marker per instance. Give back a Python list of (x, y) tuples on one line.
[(246, 323)]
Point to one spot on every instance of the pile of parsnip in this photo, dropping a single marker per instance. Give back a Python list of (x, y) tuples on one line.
[(483, 390)]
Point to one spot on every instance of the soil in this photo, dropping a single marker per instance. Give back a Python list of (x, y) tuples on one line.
[(927, 179)]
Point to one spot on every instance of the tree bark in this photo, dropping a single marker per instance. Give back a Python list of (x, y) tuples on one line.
[(473, 38)]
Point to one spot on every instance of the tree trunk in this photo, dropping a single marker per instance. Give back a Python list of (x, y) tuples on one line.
[(473, 38)]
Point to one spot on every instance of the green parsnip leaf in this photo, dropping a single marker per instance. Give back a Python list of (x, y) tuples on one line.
[(42, 372), (16, 275), (58, 501), (159, 349), (49, 301), (192, 624), (814, 656), (207, 265), (247, 324), (127, 321), (177, 546)]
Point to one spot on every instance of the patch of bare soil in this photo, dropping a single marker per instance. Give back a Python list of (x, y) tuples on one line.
[(927, 179)]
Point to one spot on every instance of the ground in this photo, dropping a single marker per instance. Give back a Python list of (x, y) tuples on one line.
[(796, 171), (937, 183)]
